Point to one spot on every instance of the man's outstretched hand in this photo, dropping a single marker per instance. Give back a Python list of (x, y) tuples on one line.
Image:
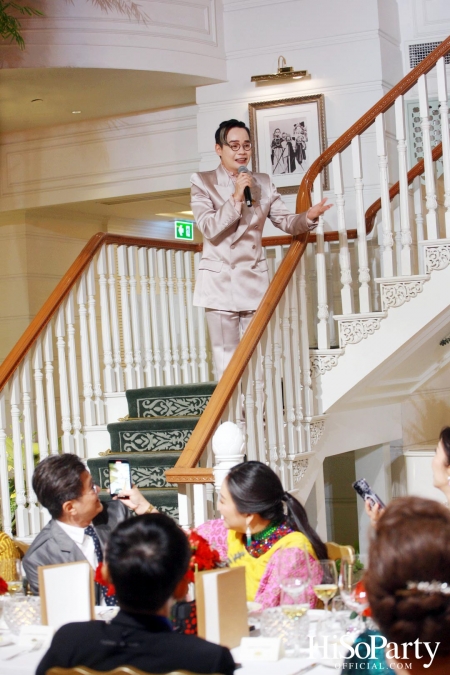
[(318, 209)]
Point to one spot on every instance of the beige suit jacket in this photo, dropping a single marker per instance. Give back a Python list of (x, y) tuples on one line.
[(233, 272)]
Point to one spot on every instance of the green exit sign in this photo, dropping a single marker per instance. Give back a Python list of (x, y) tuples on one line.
[(184, 230)]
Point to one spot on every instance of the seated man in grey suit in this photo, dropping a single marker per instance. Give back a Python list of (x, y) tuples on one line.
[(81, 524), (146, 560)]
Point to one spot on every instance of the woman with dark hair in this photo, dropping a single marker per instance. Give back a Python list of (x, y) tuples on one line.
[(260, 519)]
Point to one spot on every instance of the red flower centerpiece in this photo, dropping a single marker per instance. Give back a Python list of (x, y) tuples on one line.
[(203, 556), (3, 586), (100, 580)]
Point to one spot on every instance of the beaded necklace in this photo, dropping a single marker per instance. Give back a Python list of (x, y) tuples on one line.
[(264, 540)]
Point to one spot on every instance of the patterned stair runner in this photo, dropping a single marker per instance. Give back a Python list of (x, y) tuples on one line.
[(160, 422)]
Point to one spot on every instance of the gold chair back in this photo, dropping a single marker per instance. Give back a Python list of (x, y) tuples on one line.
[(121, 670), (336, 552), (9, 553)]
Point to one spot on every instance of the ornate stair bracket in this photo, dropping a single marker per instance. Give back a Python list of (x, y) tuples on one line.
[(316, 428), (322, 360), (436, 254), (356, 327), (299, 467), (395, 291)]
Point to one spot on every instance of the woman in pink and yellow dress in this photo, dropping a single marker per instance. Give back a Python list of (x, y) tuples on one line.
[(259, 521)]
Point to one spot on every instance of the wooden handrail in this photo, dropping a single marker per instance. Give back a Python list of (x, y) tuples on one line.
[(364, 122), (184, 470), (413, 173)]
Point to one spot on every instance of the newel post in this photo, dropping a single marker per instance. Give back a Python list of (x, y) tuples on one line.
[(229, 449)]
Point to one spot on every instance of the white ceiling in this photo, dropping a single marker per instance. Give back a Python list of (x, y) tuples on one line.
[(95, 92)]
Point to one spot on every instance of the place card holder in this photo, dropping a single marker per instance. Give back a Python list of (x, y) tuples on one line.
[(221, 600), (67, 593)]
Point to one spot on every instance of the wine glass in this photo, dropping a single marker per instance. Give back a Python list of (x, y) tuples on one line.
[(11, 572), (352, 590), (328, 585), (294, 578)]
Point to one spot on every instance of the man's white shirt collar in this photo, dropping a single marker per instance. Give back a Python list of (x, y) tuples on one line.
[(75, 533)]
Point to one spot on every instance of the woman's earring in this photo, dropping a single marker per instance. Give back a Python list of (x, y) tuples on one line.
[(248, 534)]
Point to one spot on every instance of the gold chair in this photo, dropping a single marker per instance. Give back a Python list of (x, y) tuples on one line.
[(9, 553), (338, 552), (122, 670)]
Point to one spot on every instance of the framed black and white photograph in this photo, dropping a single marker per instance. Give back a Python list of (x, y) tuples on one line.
[(287, 136)]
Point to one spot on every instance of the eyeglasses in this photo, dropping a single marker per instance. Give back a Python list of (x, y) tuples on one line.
[(235, 146)]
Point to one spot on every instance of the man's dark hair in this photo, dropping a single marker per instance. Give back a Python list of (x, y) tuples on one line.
[(147, 557), (224, 128), (56, 480)]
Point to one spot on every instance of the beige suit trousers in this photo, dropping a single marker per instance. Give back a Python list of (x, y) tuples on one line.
[(225, 331)]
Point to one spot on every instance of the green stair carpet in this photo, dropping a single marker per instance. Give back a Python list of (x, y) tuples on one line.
[(160, 423)]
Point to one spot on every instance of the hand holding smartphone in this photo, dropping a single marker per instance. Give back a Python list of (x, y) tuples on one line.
[(119, 476), (364, 490)]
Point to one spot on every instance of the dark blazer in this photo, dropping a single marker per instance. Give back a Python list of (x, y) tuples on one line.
[(53, 546), (145, 642)]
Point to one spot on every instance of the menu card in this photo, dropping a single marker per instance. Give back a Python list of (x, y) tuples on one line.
[(222, 606), (67, 593)]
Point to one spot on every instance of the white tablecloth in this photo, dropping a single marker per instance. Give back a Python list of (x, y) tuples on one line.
[(26, 664)]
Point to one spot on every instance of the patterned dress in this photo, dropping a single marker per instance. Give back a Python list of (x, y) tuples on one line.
[(260, 558)]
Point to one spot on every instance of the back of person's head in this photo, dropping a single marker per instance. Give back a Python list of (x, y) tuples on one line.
[(56, 480), (411, 544), (147, 557), (255, 488), (444, 438), (224, 128)]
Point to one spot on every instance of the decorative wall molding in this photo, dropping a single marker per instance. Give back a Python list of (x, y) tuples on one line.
[(396, 291), (436, 256), (322, 360), (356, 327)]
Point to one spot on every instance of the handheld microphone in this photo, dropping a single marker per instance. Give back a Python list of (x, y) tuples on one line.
[(247, 193)]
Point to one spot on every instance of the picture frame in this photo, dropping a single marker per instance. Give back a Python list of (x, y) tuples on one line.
[(287, 135)]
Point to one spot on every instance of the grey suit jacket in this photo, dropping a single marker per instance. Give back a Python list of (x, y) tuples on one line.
[(53, 546), (233, 272)]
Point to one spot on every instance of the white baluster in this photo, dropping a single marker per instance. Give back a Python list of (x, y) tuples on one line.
[(323, 333), (288, 389), (278, 378), (388, 242), (266, 346), (185, 505), (249, 402), (308, 396), (329, 264), (190, 316), (364, 272), (200, 504), (259, 404), (89, 409), (113, 306), (445, 131), (33, 509), (418, 208), (297, 365), (145, 315), (154, 316), (108, 371), (130, 374), (164, 316), (172, 319), (73, 377), (430, 187), (135, 324), (22, 522), (201, 331), (99, 403), (4, 478), (406, 239), (40, 400), (50, 391), (344, 255), (185, 366), (60, 332)]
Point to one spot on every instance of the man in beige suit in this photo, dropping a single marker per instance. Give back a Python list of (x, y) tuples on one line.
[(233, 273)]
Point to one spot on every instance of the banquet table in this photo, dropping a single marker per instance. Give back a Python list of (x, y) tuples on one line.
[(26, 663)]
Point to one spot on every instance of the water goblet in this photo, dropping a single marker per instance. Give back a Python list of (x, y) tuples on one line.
[(352, 590)]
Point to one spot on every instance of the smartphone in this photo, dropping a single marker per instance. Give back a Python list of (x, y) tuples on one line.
[(119, 476), (363, 488)]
